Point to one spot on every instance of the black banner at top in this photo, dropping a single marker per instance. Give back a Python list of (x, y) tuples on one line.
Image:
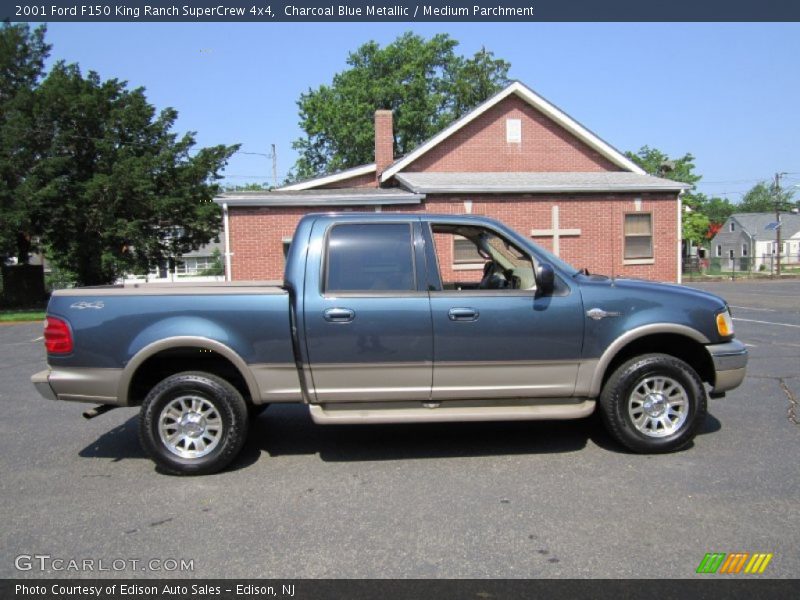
[(399, 10)]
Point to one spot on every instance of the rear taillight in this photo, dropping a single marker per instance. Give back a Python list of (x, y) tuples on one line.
[(57, 336)]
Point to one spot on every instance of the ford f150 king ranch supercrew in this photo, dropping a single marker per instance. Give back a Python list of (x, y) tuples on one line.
[(389, 318)]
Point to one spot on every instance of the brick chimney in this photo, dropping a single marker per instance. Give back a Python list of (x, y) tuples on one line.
[(384, 141)]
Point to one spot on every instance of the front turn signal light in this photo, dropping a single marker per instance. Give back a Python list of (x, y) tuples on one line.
[(725, 324)]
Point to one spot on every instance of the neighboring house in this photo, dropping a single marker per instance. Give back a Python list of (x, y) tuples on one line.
[(192, 266), (517, 158), (753, 236)]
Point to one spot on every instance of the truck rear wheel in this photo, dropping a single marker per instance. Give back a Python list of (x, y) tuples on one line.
[(193, 423), (653, 404)]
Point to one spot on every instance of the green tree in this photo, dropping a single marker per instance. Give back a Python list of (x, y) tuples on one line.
[(762, 197), (716, 209), (695, 226), (114, 189), (658, 164), (22, 55), (424, 82), (759, 198), (216, 268)]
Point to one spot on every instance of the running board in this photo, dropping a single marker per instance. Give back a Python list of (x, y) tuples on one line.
[(353, 413)]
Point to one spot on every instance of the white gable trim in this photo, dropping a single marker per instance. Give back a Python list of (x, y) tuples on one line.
[(326, 179), (532, 98)]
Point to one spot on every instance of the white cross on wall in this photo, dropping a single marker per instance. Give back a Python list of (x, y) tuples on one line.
[(555, 232)]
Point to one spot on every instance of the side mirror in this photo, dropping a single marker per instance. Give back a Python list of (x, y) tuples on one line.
[(545, 279)]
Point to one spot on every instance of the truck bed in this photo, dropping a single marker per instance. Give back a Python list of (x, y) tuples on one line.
[(112, 325)]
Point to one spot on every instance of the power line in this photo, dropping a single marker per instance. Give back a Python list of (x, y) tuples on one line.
[(273, 155)]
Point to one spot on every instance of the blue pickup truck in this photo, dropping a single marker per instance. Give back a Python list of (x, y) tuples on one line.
[(394, 318)]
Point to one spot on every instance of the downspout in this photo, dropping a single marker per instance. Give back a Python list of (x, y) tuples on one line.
[(226, 227), (680, 236)]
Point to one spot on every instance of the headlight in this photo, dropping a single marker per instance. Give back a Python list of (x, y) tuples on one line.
[(725, 323)]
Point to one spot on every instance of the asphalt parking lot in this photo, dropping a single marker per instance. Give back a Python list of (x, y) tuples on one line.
[(460, 500)]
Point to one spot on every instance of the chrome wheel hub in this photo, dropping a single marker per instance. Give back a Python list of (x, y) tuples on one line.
[(654, 405), (190, 426), (658, 406)]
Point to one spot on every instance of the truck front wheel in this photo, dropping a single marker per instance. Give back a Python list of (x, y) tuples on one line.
[(653, 403), (193, 423)]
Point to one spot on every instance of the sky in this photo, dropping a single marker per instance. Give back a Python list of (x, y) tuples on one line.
[(727, 93)]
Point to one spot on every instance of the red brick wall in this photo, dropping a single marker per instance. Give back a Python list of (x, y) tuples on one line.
[(481, 146), (257, 233), (257, 241)]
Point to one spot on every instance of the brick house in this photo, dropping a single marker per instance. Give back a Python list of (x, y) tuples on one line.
[(516, 158)]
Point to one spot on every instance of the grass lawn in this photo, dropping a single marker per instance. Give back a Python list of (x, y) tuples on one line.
[(21, 315)]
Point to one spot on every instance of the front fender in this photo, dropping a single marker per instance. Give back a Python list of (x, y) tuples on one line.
[(630, 336)]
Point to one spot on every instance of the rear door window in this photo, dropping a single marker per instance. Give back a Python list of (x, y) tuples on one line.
[(370, 257)]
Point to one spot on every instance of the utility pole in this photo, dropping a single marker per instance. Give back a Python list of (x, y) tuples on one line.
[(274, 166), (777, 191)]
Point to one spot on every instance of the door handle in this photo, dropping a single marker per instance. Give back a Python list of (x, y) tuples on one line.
[(463, 314), (339, 315)]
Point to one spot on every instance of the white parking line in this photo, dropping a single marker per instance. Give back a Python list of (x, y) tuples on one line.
[(754, 308), (38, 339), (766, 322)]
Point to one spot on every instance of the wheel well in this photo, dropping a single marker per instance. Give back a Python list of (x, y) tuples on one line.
[(686, 349), (175, 360)]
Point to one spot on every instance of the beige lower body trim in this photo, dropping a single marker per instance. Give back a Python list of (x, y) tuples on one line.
[(586, 371), (372, 381), (85, 384), (540, 379), (413, 412), (277, 383)]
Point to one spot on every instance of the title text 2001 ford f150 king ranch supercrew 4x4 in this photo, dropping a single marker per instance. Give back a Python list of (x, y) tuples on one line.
[(374, 324)]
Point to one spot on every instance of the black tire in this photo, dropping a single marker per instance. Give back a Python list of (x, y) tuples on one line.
[(218, 423), (631, 404)]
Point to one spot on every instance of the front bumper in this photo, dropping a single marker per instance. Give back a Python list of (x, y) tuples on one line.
[(730, 364)]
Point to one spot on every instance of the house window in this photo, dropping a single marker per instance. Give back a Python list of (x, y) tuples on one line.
[(513, 131), (731, 226), (194, 265), (638, 236), (465, 252), (718, 252), (744, 249)]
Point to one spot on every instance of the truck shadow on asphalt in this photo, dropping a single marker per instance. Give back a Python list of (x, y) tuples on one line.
[(288, 430), (117, 444)]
